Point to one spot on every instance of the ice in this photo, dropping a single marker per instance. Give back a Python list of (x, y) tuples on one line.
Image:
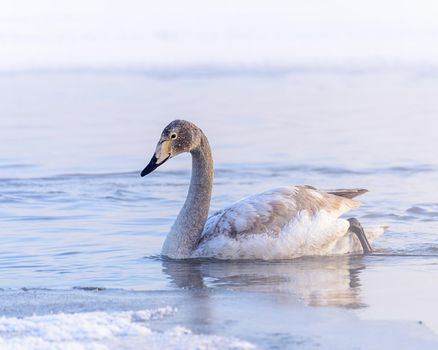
[(105, 330), (237, 35), (193, 319)]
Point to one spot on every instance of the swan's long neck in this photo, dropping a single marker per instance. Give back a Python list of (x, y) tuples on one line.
[(186, 231)]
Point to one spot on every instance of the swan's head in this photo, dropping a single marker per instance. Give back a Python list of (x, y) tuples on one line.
[(178, 137)]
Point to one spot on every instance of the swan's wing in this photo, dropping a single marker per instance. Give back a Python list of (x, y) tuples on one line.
[(269, 212)]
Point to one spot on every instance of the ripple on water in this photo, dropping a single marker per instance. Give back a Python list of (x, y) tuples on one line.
[(424, 210)]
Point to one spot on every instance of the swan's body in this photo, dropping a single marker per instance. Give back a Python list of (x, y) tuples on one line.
[(282, 223)]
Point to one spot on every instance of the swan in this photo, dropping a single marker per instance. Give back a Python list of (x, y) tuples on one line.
[(282, 223)]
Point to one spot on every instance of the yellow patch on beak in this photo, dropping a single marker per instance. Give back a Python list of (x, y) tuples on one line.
[(163, 151)]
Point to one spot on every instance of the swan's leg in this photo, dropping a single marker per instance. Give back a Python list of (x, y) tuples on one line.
[(357, 229)]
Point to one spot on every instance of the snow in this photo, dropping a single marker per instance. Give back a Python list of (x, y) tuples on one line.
[(144, 35), (105, 330)]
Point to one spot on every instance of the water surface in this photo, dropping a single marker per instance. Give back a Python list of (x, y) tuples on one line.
[(81, 231)]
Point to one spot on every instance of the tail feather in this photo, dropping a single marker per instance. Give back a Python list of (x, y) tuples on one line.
[(374, 232), (348, 193)]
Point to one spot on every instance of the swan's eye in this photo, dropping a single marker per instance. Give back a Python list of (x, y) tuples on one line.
[(173, 136)]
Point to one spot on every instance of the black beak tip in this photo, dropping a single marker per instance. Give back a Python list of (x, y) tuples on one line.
[(152, 166)]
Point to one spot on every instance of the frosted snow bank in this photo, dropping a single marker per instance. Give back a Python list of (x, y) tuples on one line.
[(103, 330), (230, 33)]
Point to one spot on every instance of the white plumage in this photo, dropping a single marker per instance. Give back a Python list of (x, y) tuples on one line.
[(282, 223)]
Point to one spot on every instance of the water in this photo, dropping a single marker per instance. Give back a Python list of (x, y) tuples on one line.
[(81, 231)]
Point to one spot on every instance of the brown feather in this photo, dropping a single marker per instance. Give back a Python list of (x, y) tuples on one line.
[(348, 193)]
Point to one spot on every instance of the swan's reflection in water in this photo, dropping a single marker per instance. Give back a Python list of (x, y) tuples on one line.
[(316, 281)]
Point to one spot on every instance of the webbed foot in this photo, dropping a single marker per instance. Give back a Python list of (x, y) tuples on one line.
[(358, 230)]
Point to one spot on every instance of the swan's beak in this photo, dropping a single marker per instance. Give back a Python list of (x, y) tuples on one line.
[(162, 154), (153, 164)]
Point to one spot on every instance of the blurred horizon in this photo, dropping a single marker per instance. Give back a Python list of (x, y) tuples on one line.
[(222, 36)]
